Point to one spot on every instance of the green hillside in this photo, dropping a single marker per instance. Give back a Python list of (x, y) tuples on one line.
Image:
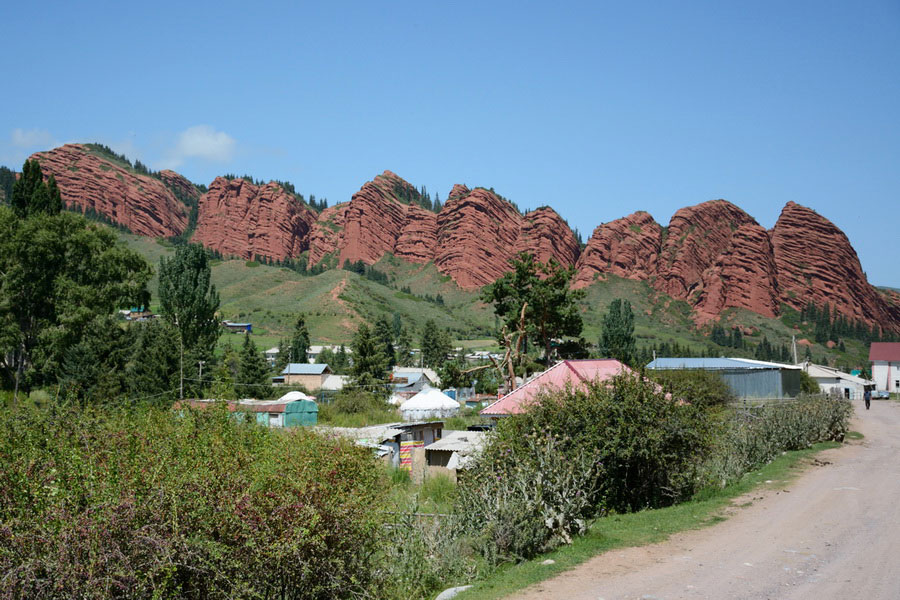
[(336, 301)]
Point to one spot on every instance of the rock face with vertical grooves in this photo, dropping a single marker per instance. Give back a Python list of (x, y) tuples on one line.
[(627, 247), (743, 276), (375, 219), (696, 236), (89, 182), (545, 235), (418, 236), (325, 234), (183, 188), (240, 218), (478, 234), (816, 262)]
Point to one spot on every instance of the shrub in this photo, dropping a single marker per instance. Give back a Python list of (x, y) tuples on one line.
[(356, 408), (620, 445), (701, 388), (146, 503), (754, 437)]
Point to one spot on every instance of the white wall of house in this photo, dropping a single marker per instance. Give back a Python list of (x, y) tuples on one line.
[(837, 386), (886, 375)]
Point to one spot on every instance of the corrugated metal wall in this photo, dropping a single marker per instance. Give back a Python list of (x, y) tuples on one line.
[(761, 383)]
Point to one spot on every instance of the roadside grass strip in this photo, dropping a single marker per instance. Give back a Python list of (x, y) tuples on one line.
[(644, 527)]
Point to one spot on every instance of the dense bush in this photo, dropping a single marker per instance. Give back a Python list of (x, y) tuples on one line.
[(147, 503), (696, 386), (620, 445), (755, 436)]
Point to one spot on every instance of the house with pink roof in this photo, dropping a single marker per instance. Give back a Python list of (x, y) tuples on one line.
[(576, 374)]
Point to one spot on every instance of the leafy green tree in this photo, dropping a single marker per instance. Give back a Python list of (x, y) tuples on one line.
[(385, 334), (253, 372), (7, 181), (452, 374), (544, 289), (617, 339), (188, 300), (299, 341), (57, 274), (436, 345), (369, 363), (32, 196)]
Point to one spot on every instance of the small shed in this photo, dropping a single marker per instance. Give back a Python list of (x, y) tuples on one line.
[(430, 403), (746, 377), (454, 450)]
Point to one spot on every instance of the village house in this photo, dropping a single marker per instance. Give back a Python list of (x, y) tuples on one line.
[(885, 359), (837, 383), (310, 376), (453, 452), (574, 373), (294, 409)]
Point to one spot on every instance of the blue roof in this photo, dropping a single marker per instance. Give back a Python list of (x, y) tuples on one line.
[(304, 369), (715, 363)]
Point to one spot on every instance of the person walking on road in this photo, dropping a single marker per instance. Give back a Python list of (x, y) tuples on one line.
[(867, 396)]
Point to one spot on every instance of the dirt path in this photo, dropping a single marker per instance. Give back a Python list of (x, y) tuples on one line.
[(833, 533)]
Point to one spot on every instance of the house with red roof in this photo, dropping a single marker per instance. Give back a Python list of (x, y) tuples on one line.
[(885, 359), (576, 374)]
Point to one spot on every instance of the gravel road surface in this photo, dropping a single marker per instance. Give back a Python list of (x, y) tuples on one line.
[(832, 533)]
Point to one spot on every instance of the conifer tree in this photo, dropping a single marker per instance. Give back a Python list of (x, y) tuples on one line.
[(253, 373)]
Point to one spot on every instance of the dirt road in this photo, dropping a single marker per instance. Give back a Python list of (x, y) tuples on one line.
[(833, 533)]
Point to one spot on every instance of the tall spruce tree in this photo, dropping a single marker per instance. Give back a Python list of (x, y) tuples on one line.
[(369, 363), (617, 339), (31, 195), (299, 343), (436, 345), (253, 372), (385, 334)]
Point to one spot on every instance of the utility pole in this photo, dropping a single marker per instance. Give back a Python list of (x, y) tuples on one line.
[(180, 362), (201, 362)]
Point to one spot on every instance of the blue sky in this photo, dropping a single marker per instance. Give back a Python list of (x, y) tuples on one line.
[(597, 109)]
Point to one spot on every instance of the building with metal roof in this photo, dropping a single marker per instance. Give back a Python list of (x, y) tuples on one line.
[(746, 377), (885, 359), (575, 373), (310, 375)]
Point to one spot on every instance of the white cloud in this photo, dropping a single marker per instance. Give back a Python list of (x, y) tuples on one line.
[(33, 138), (203, 142)]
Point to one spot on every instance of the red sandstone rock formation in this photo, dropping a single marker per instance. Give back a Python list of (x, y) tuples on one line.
[(325, 234), (816, 262), (178, 182), (477, 236), (375, 219), (418, 236), (139, 202), (744, 276), (627, 247), (545, 235), (696, 236), (242, 219)]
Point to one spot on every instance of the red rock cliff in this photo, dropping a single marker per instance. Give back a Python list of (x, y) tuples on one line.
[(239, 218), (816, 262), (696, 236), (325, 234), (139, 202), (545, 235), (178, 182), (627, 247), (477, 235), (743, 276)]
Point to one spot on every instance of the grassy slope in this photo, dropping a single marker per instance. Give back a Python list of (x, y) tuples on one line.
[(336, 301)]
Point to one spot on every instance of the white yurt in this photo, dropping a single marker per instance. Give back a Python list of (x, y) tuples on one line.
[(430, 403), (294, 396)]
